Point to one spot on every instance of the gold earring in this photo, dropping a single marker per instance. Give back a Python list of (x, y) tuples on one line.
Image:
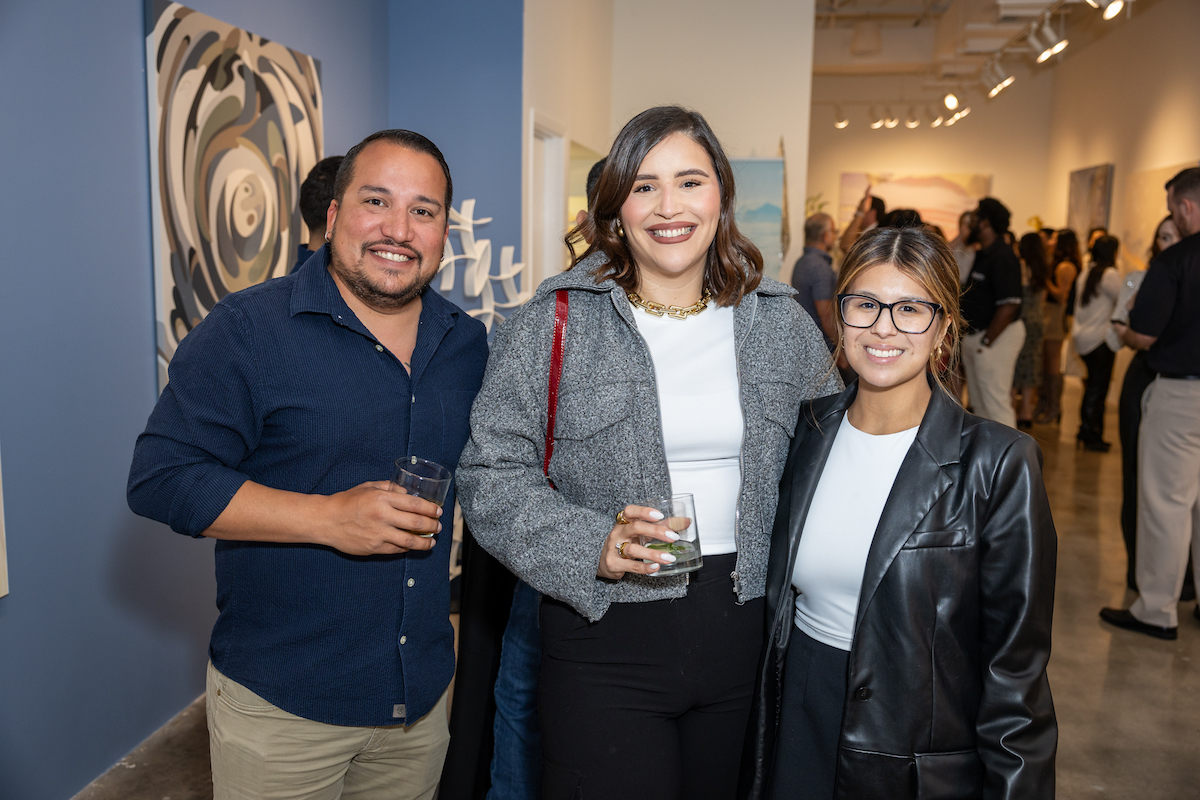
[(620, 230)]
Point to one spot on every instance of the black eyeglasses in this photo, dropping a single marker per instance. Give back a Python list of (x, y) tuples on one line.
[(908, 316)]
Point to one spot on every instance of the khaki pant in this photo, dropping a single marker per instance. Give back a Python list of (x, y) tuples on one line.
[(990, 372), (260, 752), (1168, 490)]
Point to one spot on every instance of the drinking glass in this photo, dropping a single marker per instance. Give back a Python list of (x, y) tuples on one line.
[(422, 478), (679, 512)]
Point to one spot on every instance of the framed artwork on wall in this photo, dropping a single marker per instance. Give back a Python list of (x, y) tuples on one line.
[(3, 549), (1090, 200), (940, 199), (1145, 207), (759, 214), (235, 124)]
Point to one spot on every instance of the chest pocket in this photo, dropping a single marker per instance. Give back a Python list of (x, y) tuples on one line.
[(921, 540), (586, 413), (781, 403)]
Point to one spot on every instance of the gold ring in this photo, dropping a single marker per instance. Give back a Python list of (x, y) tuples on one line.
[(621, 520), (621, 550)]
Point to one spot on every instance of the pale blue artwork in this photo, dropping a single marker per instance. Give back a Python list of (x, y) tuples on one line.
[(759, 184)]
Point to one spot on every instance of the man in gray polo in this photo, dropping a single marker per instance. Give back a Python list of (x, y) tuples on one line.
[(813, 277)]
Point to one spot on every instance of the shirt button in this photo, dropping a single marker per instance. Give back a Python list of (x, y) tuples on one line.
[(379, 347), (403, 639), (414, 398), (863, 692), (412, 582)]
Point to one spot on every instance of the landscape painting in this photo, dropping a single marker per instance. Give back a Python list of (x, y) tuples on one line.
[(235, 126), (940, 199), (759, 184)]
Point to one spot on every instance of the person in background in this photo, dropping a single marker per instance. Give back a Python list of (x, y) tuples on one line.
[(1066, 266), (1138, 377), (1165, 322), (869, 215), (813, 276), (902, 218), (516, 769), (682, 371), (1034, 272), (991, 305), (1097, 290), (911, 580), (315, 195), (964, 248)]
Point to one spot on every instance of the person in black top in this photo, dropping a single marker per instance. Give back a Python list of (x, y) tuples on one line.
[(315, 194), (1165, 322), (991, 305)]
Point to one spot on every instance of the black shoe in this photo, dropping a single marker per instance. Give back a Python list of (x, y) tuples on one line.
[(1123, 619)]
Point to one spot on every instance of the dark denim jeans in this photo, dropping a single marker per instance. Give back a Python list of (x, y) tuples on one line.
[(517, 758)]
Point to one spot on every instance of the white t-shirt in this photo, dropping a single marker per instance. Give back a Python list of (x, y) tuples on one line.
[(1093, 321), (840, 527), (696, 369)]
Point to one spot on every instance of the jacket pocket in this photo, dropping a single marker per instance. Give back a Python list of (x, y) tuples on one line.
[(781, 403), (949, 776), (922, 539), (583, 413)]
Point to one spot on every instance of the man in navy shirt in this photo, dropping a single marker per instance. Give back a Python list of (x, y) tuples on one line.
[(286, 408)]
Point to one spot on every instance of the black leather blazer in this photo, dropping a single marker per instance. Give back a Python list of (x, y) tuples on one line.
[(947, 694)]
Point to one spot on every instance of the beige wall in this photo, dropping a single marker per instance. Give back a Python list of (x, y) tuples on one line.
[(1006, 138), (1131, 98), (747, 67)]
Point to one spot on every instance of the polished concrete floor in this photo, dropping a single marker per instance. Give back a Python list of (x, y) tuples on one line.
[(1128, 705)]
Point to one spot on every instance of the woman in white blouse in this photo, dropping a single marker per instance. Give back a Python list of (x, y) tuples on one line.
[(1096, 291), (911, 579)]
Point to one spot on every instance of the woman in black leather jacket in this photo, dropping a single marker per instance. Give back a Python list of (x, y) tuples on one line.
[(911, 578)]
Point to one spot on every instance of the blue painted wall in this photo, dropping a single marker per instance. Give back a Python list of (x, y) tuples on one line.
[(456, 77), (104, 635)]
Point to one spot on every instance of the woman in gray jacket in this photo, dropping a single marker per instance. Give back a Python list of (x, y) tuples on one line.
[(682, 370)]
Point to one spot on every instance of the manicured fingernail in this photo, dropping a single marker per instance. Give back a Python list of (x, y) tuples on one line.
[(673, 536), (653, 567), (439, 530), (656, 514), (667, 557)]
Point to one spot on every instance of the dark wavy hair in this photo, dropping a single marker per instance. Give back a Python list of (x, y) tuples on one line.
[(1154, 248), (317, 191), (1033, 253), (1067, 249), (734, 265), (927, 259), (1104, 256)]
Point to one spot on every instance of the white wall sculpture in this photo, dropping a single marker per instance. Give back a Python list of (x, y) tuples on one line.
[(478, 280)]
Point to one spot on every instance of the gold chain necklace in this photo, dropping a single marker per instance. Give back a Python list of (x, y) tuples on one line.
[(674, 312)]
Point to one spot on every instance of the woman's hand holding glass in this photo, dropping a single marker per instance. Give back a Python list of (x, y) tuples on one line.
[(622, 552)]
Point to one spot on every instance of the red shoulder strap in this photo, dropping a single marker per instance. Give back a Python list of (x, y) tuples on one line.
[(556, 361)]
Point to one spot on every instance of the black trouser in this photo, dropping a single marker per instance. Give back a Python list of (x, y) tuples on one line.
[(1095, 388), (1138, 377), (810, 720), (653, 700)]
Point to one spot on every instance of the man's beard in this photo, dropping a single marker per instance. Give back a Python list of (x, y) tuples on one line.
[(367, 290)]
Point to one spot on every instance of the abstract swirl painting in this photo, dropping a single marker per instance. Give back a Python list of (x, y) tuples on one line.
[(235, 125)]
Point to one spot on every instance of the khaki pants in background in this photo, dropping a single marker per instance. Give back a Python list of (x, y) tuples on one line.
[(1168, 490), (260, 752), (990, 372)]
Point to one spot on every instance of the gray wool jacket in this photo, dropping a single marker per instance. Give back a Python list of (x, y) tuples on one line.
[(609, 450)]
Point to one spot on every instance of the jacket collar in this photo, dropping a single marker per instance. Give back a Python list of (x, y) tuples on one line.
[(924, 476)]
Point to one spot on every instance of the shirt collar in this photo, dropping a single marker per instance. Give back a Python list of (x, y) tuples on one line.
[(822, 253)]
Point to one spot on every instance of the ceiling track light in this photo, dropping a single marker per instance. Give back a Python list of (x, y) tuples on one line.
[(890, 121), (1000, 79), (1051, 43), (839, 119), (1111, 7), (876, 122), (951, 100), (911, 121), (935, 121)]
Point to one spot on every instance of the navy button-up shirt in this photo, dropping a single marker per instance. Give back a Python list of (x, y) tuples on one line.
[(281, 384)]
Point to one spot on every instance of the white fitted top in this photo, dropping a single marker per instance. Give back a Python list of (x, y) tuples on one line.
[(696, 369), (840, 527)]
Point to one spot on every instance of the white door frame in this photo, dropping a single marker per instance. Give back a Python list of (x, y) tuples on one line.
[(546, 200)]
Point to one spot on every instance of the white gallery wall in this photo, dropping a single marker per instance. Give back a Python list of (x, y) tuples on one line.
[(1131, 98), (1006, 137), (747, 67)]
